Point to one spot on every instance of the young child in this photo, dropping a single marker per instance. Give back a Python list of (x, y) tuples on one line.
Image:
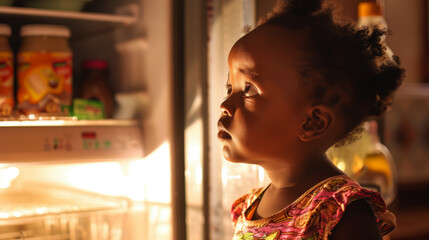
[(299, 83)]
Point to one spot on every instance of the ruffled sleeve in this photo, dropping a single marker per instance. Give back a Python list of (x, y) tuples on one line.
[(237, 209), (350, 193), (241, 204)]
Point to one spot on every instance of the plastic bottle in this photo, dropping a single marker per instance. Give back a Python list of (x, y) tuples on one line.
[(95, 85), (7, 101), (370, 16), (368, 161)]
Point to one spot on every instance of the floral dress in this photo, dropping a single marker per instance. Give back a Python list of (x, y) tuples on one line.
[(312, 216)]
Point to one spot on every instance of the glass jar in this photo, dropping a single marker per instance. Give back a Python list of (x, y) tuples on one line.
[(45, 72), (7, 101)]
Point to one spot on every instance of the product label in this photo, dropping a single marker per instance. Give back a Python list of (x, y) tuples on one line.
[(44, 81), (6, 84)]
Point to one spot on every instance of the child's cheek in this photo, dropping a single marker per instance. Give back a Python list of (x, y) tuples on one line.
[(250, 105)]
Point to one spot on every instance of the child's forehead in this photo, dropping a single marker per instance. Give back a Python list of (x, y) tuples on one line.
[(268, 44)]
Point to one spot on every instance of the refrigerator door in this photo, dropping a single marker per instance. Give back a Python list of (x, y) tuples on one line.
[(228, 21)]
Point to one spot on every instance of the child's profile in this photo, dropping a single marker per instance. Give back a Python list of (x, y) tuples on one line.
[(299, 83)]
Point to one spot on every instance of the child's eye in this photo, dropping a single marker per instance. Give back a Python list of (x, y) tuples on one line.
[(250, 90), (228, 90)]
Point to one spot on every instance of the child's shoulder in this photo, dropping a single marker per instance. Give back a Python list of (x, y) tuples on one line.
[(344, 196), (344, 190)]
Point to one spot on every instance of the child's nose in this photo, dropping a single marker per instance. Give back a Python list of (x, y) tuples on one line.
[(226, 107)]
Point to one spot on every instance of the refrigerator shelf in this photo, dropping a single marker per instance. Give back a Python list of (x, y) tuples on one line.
[(58, 122), (83, 16), (95, 23)]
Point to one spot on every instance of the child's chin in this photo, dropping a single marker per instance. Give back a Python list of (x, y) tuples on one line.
[(229, 156), (226, 152)]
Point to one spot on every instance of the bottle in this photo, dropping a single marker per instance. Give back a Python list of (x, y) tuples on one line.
[(378, 169), (370, 16), (368, 162), (7, 101), (95, 85), (45, 70)]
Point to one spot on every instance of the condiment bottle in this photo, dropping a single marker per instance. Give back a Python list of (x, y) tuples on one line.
[(95, 85), (368, 161), (7, 101), (45, 72)]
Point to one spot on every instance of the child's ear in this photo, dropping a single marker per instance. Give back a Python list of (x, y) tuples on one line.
[(316, 122)]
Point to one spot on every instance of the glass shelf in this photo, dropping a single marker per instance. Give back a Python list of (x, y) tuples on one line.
[(83, 16), (69, 122), (82, 24)]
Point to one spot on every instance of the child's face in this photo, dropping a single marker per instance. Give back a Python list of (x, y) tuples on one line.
[(266, 102)]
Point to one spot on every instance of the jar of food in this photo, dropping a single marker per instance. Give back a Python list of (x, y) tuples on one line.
[(6, 72), (95, 85), (45, 72)]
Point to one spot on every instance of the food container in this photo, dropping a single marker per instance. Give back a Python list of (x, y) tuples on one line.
[(45, 70), (6, 73)]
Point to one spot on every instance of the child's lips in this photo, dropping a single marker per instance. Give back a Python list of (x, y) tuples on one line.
[(222, 135), (222, 132)]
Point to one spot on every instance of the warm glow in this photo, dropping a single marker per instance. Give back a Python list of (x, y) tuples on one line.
[(140, 179), (357, 164), (193, 135), (226, 176), (261, 174), (32, 123), (4, 215), (42, 210), (7, 175), (341, 165), (104, 178), (149, 179)]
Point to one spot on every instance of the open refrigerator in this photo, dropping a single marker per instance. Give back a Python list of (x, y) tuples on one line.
[(119, 178), (153, 171)]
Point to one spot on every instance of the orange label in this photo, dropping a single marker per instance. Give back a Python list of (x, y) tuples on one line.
[(44, 81), (6, 83)]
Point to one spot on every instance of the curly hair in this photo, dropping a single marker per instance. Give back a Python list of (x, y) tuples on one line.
[(345, 56)]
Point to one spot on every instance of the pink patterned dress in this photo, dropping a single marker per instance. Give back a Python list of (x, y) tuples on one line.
[(312, 216)]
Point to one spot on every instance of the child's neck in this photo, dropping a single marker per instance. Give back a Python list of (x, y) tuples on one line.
[(309, 170), (288, 183)]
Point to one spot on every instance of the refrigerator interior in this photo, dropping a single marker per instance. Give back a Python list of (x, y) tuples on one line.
[(132, 187)]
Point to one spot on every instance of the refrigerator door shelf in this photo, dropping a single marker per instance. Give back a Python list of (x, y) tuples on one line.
[(69, 141)]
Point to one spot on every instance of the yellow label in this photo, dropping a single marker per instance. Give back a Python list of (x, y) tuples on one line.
[(44, 81)]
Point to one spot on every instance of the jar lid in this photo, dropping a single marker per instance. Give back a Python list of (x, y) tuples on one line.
[(5, 29), (45, 30), (95, 64), (368, 9)]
